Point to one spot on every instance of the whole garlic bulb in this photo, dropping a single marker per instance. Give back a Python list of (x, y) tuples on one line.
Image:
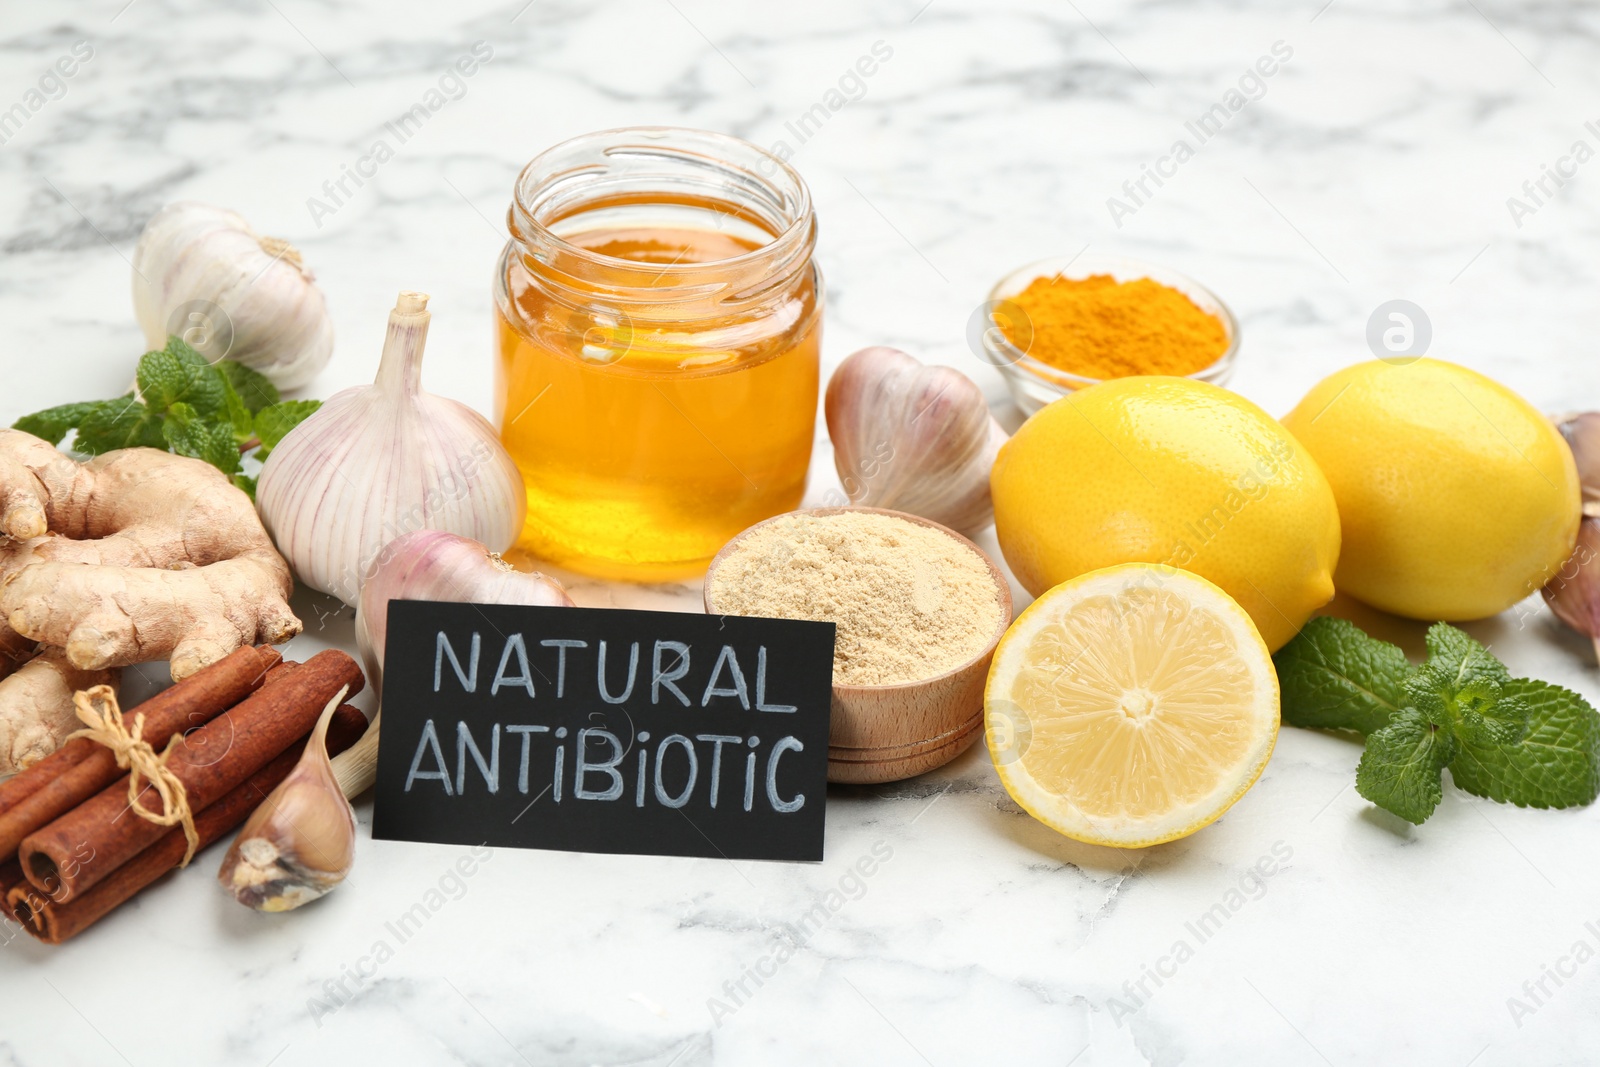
[(428, 565), (202, 273), (380, 461), (913, 438)]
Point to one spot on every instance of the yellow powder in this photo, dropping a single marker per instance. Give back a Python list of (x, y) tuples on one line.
[(910, 602)]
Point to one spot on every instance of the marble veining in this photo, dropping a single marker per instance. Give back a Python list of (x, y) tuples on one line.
[(1305, 927)]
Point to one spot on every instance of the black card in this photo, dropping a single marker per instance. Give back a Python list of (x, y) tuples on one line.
[(604, 730)]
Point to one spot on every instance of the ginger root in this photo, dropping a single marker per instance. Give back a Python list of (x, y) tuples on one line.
[(132, 556), (43, 687)]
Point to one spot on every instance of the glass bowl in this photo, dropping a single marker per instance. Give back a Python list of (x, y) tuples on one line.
[(1033, 383)]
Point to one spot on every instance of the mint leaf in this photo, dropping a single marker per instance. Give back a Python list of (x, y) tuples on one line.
[(1461, 659), (237, 413), (274, 423), (247, 483), (1487, 714), (1555, 765), (52, 424), (114, 424), (179, 375), (1429, 690), (188, 434), (1335, 677), (1400, 769), (253, 387)]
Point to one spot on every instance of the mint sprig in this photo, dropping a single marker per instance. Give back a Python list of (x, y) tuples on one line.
[(1513, 740), (217, 412)]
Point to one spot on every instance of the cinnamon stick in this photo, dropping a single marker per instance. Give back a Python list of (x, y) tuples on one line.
[(10, 878), (24, 904), (54, 923), (282, 669), (84, 846), (80, 768)]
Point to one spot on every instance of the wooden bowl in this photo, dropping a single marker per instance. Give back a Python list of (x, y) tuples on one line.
[(883, 733)]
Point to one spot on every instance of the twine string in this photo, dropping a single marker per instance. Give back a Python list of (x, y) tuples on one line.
[(98, 710)]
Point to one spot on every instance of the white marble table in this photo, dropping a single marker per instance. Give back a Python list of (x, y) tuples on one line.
[(1377, 163)]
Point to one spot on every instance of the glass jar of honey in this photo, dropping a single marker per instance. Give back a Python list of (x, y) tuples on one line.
[(658, 323)]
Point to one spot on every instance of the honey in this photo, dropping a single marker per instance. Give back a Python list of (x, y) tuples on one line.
[(657, 357)]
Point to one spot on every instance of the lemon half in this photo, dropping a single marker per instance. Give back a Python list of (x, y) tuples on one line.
[(1131, 706)]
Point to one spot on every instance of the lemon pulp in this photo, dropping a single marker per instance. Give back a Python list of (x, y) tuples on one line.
[(1132, 705)]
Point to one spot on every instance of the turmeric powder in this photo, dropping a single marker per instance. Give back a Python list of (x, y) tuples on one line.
[(1098, 327)]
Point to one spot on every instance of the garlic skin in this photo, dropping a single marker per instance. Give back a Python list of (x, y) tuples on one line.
[(301, 841), (913, 438), (376, 462), (202, 273), (1574, 593), (428, 565), (1582, 433)]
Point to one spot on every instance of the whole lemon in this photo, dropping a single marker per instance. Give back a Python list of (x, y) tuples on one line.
[(1456, 496), (1169, 471)]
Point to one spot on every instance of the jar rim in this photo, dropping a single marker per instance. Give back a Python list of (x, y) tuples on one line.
[(766, 177)]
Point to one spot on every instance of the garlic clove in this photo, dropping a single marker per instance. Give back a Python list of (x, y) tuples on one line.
[(1582, 433), (1574, 593), (301, 841), (202, 273), (428, 565), (384, 460), (434, 565), (913, 438)]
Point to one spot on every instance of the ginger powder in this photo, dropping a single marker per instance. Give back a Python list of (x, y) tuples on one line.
[(910, 602)]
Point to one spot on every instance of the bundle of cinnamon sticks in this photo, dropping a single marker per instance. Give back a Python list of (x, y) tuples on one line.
[(70, 848)]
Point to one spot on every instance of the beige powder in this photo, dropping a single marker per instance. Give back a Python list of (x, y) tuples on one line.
[(910, 602)]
